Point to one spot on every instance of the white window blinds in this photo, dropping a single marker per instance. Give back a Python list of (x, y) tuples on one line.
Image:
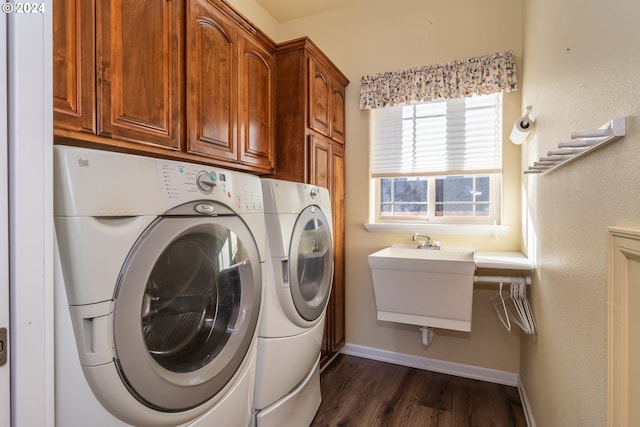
[(448, 137)]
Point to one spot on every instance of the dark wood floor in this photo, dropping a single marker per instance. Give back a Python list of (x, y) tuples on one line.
[(359, 392)]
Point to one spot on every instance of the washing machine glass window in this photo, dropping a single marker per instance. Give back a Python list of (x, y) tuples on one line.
[(186, 309), (311, 263), (192, 299)]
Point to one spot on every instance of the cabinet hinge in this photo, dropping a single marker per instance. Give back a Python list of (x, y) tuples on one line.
[(4, 346)]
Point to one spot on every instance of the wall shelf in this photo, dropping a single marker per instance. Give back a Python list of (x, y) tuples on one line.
[(581, 144)]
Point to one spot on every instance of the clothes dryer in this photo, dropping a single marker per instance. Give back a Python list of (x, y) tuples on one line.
[(297, 288), (162, 264)]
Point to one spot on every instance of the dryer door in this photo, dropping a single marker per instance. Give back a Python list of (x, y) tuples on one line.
[(311, 263), (186, 310)]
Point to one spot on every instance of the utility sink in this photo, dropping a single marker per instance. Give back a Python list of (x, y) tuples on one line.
[(446, 259), (425, 287)]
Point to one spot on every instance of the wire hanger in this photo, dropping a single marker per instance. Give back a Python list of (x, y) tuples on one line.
[(496, 303)]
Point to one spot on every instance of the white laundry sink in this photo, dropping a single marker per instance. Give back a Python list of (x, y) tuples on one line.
[(446, 259), (424, 287)]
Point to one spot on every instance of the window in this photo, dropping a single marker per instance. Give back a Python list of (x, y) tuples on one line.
[(438, 161)]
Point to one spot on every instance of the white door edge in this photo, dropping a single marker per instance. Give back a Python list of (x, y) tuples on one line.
[(30, 140), (5, 370)]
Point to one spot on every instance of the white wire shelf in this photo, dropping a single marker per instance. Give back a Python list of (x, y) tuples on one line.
[(582, 144)]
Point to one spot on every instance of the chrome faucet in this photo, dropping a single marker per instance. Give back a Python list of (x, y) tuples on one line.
[(421, 243), (424, 244)]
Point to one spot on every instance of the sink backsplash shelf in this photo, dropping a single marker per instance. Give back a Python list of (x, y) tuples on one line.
[(582, 144)]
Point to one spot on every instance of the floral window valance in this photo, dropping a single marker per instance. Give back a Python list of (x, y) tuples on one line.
[(475, 76)]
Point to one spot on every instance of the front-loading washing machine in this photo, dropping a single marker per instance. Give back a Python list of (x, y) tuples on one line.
[(157, 317), (299, 274)]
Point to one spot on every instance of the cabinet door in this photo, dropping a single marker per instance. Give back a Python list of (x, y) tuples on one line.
[(337, 335), (319, 162), (74, 92), (212, 86), (256, 120), (139, 59), (327, 169), (337, 112), (319, 95)]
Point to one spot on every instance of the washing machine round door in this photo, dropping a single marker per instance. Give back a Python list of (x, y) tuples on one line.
[(186, 310), (311, 263)]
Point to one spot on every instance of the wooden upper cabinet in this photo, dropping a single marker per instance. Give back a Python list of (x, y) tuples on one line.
[(139, 68), (337, 112), (74, 94), (319, 96), (212, 83), (256, 105), (230, 111), (326, 103), (186, 80), (310, 100)]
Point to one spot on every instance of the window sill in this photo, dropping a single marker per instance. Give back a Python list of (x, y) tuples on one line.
[(467, 229)]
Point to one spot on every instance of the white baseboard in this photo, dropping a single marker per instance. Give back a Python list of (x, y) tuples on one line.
[(461, 370), (434, 365), (528, 414)]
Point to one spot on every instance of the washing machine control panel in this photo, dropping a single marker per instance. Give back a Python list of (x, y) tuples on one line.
[(184, 182)]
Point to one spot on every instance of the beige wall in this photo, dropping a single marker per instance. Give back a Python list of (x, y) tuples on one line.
[(581, 69), (372, 36), (257, 15)]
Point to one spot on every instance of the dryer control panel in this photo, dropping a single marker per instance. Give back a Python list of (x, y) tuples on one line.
[(313, 195), (185, 182)]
